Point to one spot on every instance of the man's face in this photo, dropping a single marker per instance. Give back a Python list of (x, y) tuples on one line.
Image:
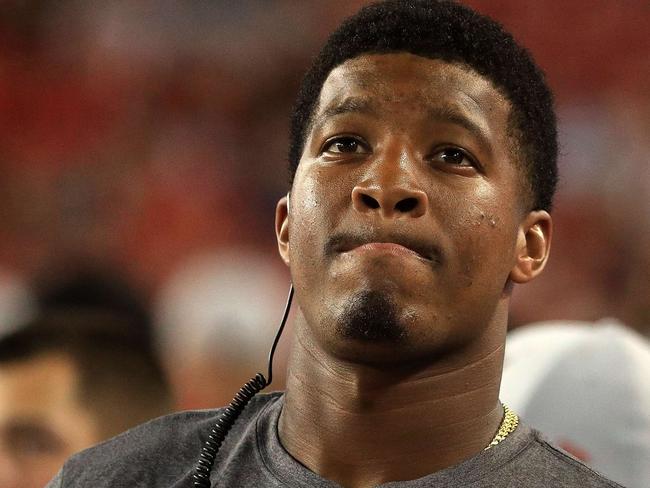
[(41, 421), (406, 210)]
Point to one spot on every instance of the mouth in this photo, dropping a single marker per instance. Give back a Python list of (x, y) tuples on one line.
[(396, 244)]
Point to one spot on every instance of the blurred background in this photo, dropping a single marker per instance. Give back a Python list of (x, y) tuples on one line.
[(146, 142), (143, 149)]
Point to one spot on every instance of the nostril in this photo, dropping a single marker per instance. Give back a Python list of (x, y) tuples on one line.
[(406, 205), (369, 201)]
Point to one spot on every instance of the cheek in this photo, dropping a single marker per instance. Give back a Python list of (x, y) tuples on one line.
[(484, 235), (306, 193), (315, 195), (311, 222)]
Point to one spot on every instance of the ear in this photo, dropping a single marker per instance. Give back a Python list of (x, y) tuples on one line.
[(282, 227), (533, 246)]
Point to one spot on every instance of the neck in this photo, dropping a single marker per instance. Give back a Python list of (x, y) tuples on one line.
[(362, 425)]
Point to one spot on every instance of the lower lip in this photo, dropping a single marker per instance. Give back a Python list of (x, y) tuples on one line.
[(386, 248)]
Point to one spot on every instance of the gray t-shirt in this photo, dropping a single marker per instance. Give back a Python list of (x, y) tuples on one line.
[(163, 453)]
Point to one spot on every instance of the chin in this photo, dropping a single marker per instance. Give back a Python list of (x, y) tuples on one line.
[(373, 317)]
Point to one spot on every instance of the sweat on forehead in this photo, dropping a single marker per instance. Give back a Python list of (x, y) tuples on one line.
[(447, 31)]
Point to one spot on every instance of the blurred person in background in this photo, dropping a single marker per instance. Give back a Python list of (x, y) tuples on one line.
[(69, 380), (81, 286), (17, 302), (587, 387)]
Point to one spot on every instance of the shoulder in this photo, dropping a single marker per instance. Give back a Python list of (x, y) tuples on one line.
[(160, 452), (542, 461)]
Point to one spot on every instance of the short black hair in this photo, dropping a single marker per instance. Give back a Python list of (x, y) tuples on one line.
[(446, 30), (89, 287), (120, 382)]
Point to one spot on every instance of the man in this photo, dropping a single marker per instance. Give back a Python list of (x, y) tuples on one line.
[(423, 159), (69, 381)]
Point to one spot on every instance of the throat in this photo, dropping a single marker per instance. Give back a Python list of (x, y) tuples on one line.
[(362, 427)]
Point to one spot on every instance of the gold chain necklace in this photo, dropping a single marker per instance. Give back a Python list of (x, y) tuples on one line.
[(508, 424)]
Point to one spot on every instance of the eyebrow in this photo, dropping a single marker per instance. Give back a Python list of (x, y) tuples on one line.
[(28, 429), (450, 114), (438, 113), (348, 105)]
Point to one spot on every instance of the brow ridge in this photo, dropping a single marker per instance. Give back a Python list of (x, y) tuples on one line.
[(438, 113), (349, 105), (450, 114)]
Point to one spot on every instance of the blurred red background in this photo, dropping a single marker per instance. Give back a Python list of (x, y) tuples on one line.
[(139, 134)]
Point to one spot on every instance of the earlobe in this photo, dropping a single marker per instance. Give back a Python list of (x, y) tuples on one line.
[(533, 246), (282, 227)]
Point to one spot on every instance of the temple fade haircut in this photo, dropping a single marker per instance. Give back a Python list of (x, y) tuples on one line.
[(453, 33)]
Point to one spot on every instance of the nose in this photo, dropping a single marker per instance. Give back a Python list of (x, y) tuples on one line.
[(390, 190)]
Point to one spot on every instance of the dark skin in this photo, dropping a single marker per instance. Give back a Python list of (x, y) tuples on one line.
[(408, 188)]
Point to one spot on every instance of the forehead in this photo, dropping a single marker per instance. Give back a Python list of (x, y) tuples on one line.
[(38, 385), (407, 82)]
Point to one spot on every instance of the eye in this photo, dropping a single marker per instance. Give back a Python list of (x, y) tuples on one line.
[(31, 441), (344, 145), (454, 157)]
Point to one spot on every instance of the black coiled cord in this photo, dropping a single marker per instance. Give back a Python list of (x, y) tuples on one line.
[(223, 425)]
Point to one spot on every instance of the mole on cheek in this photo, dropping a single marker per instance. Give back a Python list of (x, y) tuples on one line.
[(309, 196), (491, 220)]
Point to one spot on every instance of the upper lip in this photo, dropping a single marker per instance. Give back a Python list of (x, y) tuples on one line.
[(344, 242)]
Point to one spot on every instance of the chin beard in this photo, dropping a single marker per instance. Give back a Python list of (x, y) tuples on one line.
[(372, 317)]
